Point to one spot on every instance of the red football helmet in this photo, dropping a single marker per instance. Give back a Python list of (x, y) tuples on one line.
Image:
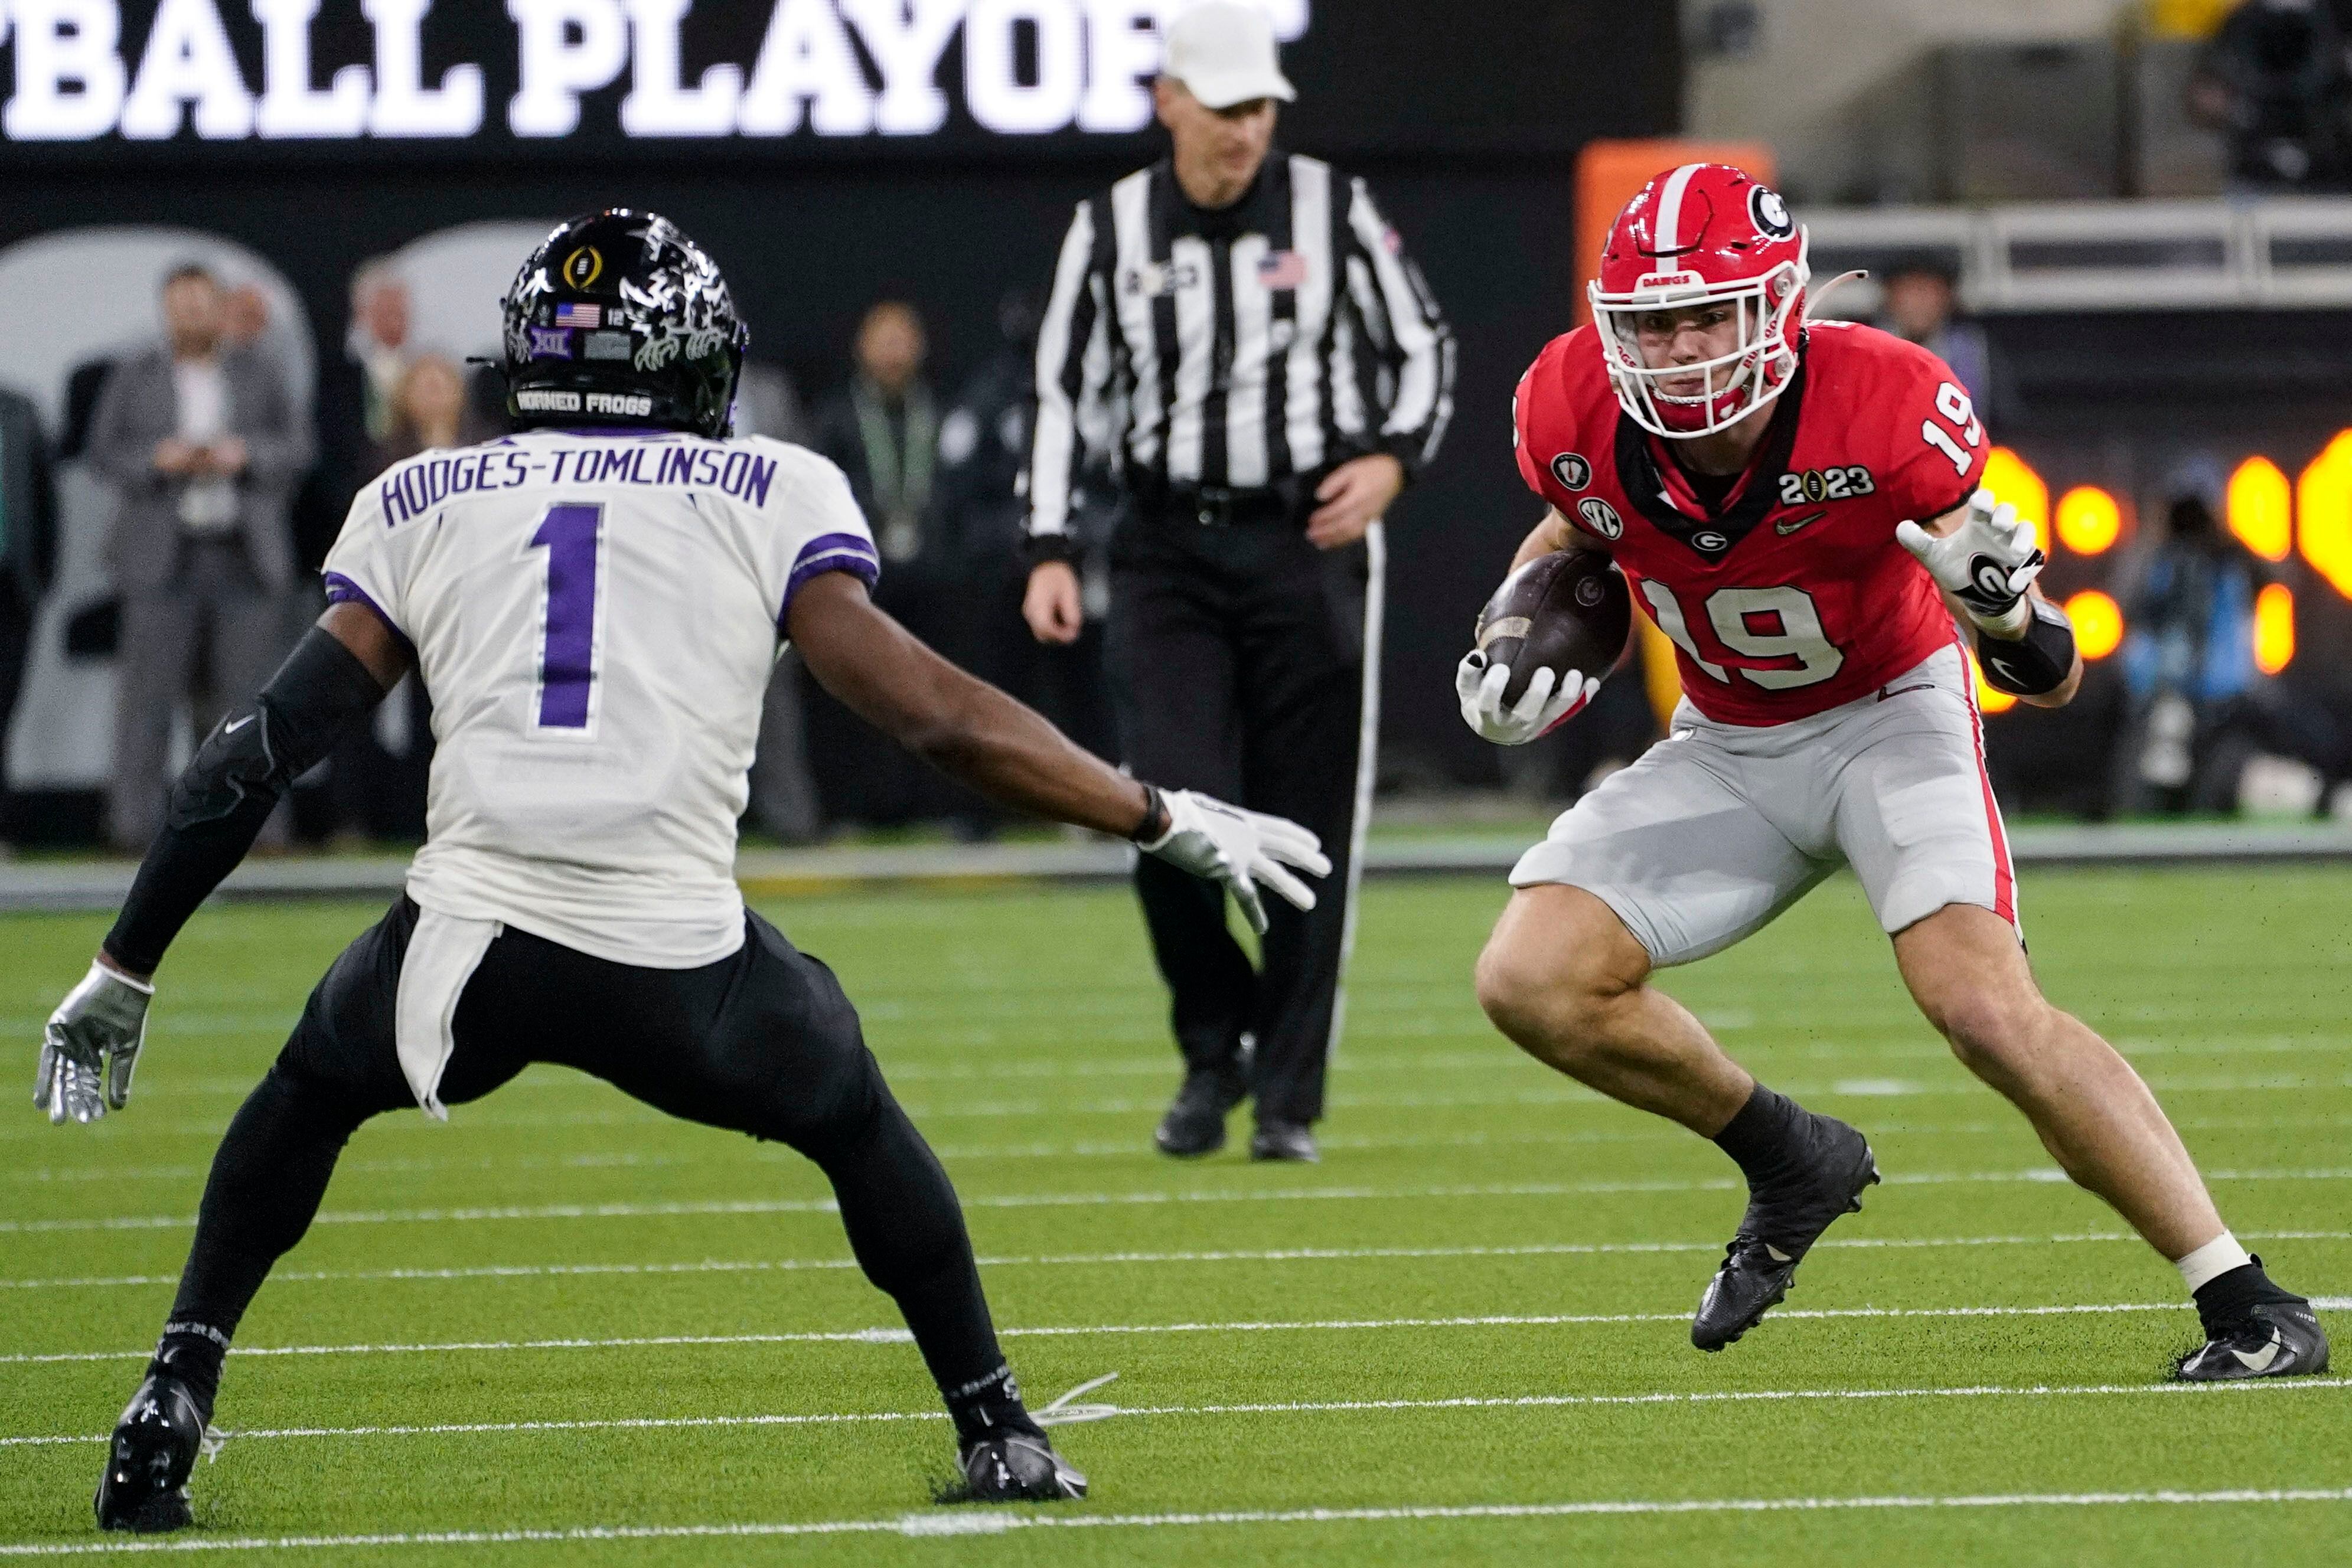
[(1695, 236)]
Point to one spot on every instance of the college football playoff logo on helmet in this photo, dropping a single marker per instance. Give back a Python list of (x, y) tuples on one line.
[(1601, 517), (1771, 212), (1571, 470)]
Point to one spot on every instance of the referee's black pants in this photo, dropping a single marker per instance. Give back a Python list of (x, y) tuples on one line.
[(1237, 657)]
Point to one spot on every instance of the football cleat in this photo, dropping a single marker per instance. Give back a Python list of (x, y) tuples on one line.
[(145, 1486), (1195, 1123), (2273, 1339), (1781, 1226), (1018, 1468)]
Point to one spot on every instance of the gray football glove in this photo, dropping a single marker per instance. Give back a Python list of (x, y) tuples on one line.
[(91, 1046), (1240, 849)]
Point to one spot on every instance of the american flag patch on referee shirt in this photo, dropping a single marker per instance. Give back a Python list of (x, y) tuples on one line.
[(568, 314), (1283, 269)]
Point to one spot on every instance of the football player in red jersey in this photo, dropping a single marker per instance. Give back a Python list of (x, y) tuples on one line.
[(1798, 507)]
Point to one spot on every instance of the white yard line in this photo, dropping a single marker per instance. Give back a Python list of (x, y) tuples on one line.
[(2038, 1174), (1124, 1260), (1089, 1331), (1280, 1407), (1000, 1521)]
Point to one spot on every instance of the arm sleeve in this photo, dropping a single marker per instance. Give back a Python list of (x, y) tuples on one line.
[(1404, 321), (220, 803), (1938, 458), (1073, 370), (821, 530)]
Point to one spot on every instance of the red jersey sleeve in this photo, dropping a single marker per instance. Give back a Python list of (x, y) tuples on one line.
[(1542, 425), (1937, 458)]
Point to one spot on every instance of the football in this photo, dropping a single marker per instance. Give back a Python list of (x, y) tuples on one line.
[(1566, 611)]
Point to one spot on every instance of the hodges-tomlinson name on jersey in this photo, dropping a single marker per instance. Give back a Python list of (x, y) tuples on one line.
[(744, 474)]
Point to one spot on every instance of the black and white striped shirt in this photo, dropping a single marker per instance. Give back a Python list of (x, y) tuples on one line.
[(1234, 347)]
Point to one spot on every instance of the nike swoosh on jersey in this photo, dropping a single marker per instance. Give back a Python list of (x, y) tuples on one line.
[(240, 724), (1806, 521), (2259, 1361)]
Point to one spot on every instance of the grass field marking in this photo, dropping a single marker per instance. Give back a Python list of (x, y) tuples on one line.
[(998, 1522), (2036, 1174), (1087, 1331), (1272, 1255), (1276, 1408)]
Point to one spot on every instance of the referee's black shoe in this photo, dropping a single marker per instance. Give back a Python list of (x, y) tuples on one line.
[(145, 1485), (1831, 1166), (1195, 1123), (1291, 1141)]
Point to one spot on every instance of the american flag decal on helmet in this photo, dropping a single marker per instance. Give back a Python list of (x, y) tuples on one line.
[(568, 314)]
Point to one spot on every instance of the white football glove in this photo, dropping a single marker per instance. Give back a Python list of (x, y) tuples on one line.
[(1240, 849), (91, 1046), (1548, 702), (1987, 563)]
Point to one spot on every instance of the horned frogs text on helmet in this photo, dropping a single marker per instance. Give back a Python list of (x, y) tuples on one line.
[(619, 319)]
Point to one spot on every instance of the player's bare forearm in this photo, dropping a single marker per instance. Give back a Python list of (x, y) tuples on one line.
[(1554, 533), (962, 725)]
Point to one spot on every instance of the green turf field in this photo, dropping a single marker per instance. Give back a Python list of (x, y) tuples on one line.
[(1462, 1339)]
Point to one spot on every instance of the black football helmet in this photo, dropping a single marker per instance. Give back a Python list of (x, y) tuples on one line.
[(619, 319)]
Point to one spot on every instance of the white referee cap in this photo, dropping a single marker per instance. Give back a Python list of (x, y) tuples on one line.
[(1223, 53)]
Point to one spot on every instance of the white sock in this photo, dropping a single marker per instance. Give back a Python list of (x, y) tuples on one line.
[(2212, 1260)]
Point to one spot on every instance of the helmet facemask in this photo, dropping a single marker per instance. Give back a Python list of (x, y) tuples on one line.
[(1757, 369)]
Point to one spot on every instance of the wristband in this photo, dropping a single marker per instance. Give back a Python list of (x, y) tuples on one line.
[(2038, 662), (1155, 824)]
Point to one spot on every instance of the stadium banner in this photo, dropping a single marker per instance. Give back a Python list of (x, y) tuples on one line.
[(193, 82)]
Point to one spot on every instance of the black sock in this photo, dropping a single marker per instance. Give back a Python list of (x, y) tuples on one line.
[(2224, 1298), (990, 1407), (1760, 1137), (192, 1351)]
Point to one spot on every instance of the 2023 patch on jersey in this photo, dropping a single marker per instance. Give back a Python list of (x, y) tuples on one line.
[(595, 616), (1794, 596)]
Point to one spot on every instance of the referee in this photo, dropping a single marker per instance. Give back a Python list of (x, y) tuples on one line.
[(1244, 327)]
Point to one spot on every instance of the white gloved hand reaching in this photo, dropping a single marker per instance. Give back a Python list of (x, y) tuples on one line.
[(91, 1047), (1987, 563), (1548, 702), (1240, 849)]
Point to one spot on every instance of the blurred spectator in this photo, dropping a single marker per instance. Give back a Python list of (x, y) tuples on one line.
[(883, 431), (983, 449), (244, 316), (2199, 709), (200, 442), (2276, 81), (429, 412), (28, 544), (783, 792), (1919, 302), (356, 394)]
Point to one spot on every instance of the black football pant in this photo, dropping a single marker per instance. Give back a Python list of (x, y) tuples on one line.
[(1237, 656), (762, 1042)]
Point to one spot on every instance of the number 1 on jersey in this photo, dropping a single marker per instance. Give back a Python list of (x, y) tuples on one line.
[(571, 533)]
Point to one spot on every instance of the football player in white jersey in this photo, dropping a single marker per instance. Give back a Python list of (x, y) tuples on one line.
[(595, 604)]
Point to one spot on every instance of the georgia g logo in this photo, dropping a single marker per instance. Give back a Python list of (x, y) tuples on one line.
[(1601, 517), (1771, 212), (1571, 470), (1989, 577)]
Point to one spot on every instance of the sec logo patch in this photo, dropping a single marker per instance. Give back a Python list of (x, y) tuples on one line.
[(1571, 470), (1601, 517)]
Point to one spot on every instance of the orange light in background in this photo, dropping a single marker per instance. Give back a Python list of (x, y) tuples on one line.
[(2322, 506), (2262, 508), (1989, 698), (2013, 480), (2273, 629), (2089, 521), (2098, 621)]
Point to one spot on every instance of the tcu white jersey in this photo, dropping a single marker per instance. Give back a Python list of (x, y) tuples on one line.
[(595, 616)]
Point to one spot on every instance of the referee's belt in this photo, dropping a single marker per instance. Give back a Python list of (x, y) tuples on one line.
[(1221, 506)]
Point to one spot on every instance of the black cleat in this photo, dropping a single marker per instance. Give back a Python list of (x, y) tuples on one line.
[(1781, 1226), (1291, 1141), (2271, 1338), (1195, 1123), (145, 1486), (1018, 1468)]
